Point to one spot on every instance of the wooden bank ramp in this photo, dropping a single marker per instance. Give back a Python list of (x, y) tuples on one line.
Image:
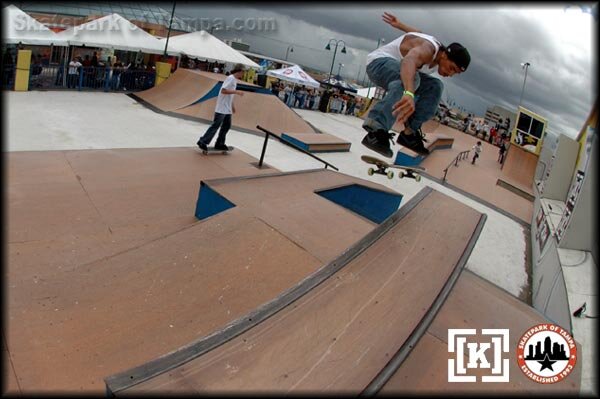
[(338, 329)]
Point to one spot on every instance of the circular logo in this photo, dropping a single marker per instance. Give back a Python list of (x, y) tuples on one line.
[(546, 353), (303, 75), (287, 71)]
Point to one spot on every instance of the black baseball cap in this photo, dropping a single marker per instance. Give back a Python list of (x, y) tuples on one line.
[(459, 55)]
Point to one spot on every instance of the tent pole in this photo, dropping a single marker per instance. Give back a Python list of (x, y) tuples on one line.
[(66, 67)]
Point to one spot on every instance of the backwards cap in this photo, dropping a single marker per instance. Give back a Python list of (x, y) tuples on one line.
[(459, 55)]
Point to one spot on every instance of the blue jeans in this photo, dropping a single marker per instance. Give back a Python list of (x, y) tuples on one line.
[(385, 73), (224, 122)]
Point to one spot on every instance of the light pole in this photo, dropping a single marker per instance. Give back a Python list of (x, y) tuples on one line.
[(169, 33), (379, 41), (290, 49), (526, 66), (328, 47)]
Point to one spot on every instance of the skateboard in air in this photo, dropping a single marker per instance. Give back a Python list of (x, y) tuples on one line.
[(213, 150), (382, 168)]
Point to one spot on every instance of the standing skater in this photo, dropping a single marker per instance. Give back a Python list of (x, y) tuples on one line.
[(223, 111), (476, 151), (403, 67)]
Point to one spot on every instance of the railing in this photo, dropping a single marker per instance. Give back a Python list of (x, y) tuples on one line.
[(87, 78), (461, 155), (264, 149)]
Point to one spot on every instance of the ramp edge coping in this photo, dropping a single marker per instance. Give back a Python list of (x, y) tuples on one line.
[(411, 342), (134, 376)]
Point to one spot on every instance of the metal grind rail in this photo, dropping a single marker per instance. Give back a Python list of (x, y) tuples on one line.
[(264, 149)]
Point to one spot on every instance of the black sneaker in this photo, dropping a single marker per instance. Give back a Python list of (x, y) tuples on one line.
[(221, 147), (413, 141), (202, 146), (379, 141)]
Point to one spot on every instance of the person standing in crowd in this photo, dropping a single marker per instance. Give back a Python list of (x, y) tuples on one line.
[(74, 70), (223, 111)]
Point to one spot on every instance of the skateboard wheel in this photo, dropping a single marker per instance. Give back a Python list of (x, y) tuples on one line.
[(390, 174), (400, 175), (417, 178), (371, 171)]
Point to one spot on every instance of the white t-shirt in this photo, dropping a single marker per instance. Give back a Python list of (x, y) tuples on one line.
[(225, 101), (73, 65), (392, 50)]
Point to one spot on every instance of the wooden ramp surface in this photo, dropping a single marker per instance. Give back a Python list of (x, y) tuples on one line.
[(108, 268), (341, 333), (474, 304), (181, 89), (253, 109), (318, 142)]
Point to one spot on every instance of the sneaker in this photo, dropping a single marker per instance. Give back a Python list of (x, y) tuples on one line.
[(413, 141), (202, 146), (221, 147), (379, 141)]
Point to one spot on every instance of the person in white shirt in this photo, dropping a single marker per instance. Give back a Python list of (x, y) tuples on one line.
[(476, 151), (223, 111), (403, 67), (74, 68)]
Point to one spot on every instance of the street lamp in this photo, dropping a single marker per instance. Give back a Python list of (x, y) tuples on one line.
[(379, 41), (290, 49), (328, 47), (526, 66), (165, 56)]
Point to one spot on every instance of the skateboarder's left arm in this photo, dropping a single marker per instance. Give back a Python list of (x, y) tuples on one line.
[(393, 21), (414, 59)]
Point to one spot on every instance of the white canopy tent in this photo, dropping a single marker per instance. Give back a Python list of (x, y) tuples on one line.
[(294, 74), (115, 32), (19, 27), (203, 45), (367, 92)]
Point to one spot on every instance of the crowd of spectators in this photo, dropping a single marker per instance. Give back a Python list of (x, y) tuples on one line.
[(325, 100)]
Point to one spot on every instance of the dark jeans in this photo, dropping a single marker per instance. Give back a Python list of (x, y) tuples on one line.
[(72, 80), (385, 73), (220, 120)]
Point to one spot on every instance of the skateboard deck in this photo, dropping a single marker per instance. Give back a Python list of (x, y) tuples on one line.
[(213, 150), (383, 166)]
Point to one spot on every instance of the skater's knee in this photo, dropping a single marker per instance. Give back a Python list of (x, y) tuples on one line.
[(396, 85)]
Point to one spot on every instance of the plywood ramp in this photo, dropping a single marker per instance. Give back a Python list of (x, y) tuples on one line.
[(108, 267), (518, 169), (317, 142), (335, 334), (253, 109), (475, 304), (181, 89)]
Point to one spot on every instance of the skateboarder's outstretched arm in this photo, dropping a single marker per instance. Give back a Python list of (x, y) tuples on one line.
[(393, 21)]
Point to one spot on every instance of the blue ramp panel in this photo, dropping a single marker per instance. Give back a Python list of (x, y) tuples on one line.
[(407, 160), (370, 203), (210, 202)]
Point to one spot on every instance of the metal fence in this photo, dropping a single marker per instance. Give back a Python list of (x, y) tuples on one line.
[(55, 77)]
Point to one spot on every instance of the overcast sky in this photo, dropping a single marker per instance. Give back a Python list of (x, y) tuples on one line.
[(557, 41)]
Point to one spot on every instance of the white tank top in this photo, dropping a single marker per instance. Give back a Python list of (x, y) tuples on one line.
[(392, 50)]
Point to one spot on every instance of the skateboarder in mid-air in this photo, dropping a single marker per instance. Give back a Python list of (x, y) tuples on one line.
[(402, 68), (223, 111)]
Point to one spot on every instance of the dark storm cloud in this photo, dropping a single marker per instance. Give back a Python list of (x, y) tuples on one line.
[(560, 84)]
